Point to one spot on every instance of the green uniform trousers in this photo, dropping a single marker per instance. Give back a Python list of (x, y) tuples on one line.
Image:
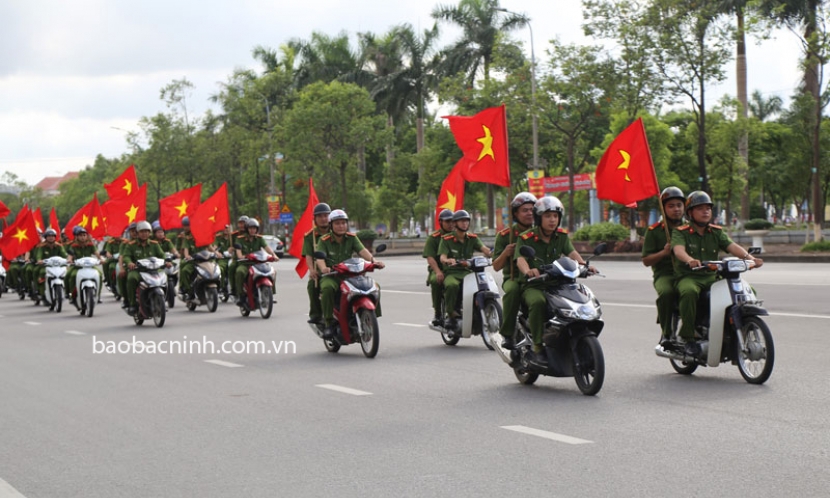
[(223, 270), (437, 291), (315, 309), (511, 302), (666, 302), (122, 283), (109, 270), (239, 276), (329, 291), (16, 273), (30, 276), (186, 271), (452, 287), (688, 290), (232, 267), (132, 278), (537, 308)]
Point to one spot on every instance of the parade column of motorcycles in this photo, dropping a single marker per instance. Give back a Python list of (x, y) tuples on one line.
[(549, 325)]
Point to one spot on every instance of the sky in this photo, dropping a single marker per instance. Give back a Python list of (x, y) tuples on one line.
[(76, 76)]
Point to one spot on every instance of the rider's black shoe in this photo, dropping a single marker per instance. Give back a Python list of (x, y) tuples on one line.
[(665, 343), (315, 320), (437, 321), (239, 301), (125, 304), (538, 360), (689, 346), (328, 333), (452, 323), (132, 310), (508, 343)]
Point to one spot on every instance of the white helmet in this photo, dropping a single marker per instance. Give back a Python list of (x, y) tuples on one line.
[(144, 225), (338, 214), (545, 204)]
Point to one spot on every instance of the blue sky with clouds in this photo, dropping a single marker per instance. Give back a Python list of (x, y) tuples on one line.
[(73, 72)]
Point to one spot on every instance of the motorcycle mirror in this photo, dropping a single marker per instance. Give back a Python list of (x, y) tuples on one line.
[(754, 250), (380, 248), (237, 246), (600, 248), (319, 255), (527, 251)]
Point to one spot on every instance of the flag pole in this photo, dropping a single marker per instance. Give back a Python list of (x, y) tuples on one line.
[(656, 183), (507, 197)]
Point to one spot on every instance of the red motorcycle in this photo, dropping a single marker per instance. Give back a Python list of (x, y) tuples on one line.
[(258, 288), (354, 313)]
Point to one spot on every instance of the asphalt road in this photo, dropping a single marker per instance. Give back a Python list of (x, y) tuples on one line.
[(421, 419)]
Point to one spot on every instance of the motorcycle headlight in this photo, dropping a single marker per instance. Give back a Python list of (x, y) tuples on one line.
[(581, 312)]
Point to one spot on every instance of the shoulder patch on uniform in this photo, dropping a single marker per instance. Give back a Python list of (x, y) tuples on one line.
[(715, 226), (436, 233), (154, 242), (527, 235), (683, 227), (308, 233), (351, 234), (562, 230), (326, 237), (449, 236), (504, 232), (656, 225), (472, 235)]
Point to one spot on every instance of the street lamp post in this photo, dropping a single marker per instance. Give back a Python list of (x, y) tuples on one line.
[(535, 126)]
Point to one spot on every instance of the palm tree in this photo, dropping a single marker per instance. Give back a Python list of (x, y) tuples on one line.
[(763, 108), (323, 58), (482, 22)]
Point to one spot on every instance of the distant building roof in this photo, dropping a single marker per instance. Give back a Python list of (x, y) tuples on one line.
[(51, 184)]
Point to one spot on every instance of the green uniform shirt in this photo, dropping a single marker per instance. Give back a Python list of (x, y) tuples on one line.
[(184, 240), (548, 252), (251, 244), (337, 252), (502, 241), (138, 250), (166, 244), (453, 248), (654, 242), (700, 247), (432, 245), (310, 240), (221, 242), (113, 245), (125, 243), (82, 251), (45, 250)]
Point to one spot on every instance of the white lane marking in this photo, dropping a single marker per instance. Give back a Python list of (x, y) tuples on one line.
[(404, 292), (626, 305), (795, 315), (342, 389), (410, 325), (75, 332), (799, 315), (7, 491), (224, 363), (32, 323), (545, 434)]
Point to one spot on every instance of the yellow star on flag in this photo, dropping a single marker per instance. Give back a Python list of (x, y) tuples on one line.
[(131, 214), (84, 221), (128, 186), (37, 225), (20, 235), (182, 209), (213, 218), (450, 204), (486, 144), (94, 222), (626, 161)]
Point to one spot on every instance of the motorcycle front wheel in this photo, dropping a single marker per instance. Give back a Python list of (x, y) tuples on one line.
[(370, 338), (212, 296), (266, 301), (589, 365), (524, 376), (171, 293), (159, 310), (57, 298), (756, 360), (491, 317), (682, 367), (331, 345), (89, 296)]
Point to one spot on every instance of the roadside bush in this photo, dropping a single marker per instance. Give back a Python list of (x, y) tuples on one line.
[(822, 246), (757, 224), (602, 232)]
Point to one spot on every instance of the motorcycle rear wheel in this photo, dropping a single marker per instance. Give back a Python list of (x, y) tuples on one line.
[(159, 310), (524, 376), (589, 365), (491, 317), (89, 296), (370, 338), (57, 298), (331, 345), (756, 361), (683, 367), (212, 296), (266, 302), (171, 293)]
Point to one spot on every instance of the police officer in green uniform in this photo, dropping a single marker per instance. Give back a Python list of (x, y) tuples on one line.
[(310, 241), (122, 274), (658, 255), (435, 277), (50, 247), (186, 246), (222, 243), (697, 241), (143, 247), (30, 270), (550, 243), (460, 244), (241, 231), (339, 245), (166, 244), (81, 247), (522, 210), (251, 242), (111, 247)]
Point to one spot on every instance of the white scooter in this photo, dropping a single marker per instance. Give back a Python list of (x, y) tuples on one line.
[(481, 311), (53, 287), (728, 327), (87, 282)]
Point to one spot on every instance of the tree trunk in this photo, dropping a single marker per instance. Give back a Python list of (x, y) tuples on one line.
[(571, 140), (390, 160), (743, 141), (343, 196), (701, 127), (812, 87)]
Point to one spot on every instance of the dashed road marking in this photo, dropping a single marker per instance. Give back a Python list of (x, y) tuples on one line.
[(341, 389), (224, 363), (7, 491), (32, 323), (75, 332), (410, 325), (404, 292), (546, 434)]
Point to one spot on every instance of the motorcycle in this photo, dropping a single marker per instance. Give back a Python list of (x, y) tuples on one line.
[(728, 326), (354, 315), (480, 306), (87, 282), (113, 278), (205, 282), (571, 332), (21, 286), (224, 284), (2, 277), (172, 272), (53, 286), (258, 287), (150, 293)]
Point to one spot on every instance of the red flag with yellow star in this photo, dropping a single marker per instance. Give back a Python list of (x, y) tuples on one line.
[(90, 217), (4, 210), (38, 216), (483, 140), (53, 221), (210, 217), (303, 226), (451, 195), (124, 186), (19, 237), (119, 213), (176, 206), (625, 174)]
